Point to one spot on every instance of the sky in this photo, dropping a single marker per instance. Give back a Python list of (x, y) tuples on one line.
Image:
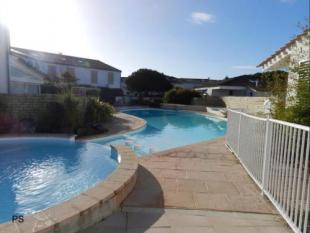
[(182, 38)]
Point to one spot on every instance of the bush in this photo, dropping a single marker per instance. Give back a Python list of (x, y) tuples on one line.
[(72, 112), (52, 119), (180, 96), (97, 112), (293, 108), (94, 92), (300, 109), (3, 106)]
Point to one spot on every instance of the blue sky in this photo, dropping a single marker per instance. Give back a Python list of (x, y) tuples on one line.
[(183, 38)]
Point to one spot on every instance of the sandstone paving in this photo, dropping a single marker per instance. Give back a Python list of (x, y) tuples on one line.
[(196, 188)]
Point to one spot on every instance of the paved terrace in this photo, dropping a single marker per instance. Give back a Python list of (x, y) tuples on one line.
[(197, 188)]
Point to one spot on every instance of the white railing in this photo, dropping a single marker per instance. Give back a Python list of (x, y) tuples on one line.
[(276, 155)]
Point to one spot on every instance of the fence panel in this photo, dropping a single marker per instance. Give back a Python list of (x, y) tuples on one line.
[(276, 156)]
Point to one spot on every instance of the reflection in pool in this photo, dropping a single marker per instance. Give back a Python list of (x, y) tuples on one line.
[(168, 129), (36, 173)]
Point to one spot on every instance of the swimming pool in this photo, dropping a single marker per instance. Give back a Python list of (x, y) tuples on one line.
[(36, 173), (167, 129)]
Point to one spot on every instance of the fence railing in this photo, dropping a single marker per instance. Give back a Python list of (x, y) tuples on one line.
[(276, 155)]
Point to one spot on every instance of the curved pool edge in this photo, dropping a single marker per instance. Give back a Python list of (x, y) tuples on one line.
[(94, 138), (89, 207)]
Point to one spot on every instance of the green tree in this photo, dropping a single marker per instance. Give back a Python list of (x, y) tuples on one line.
[(180, 96), (300, 109), (276, 84), (292, 102), (64, 83), (145, 80)]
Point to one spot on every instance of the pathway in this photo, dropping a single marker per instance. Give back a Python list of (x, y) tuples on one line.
[(196, 188)]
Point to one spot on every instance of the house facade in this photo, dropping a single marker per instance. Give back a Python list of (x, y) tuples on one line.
[(88, 72), (4, 59), (23, 79), (23, 71), (296, 52)]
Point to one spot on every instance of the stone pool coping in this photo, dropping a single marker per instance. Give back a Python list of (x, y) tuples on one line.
[(135, 124), (89, 207)]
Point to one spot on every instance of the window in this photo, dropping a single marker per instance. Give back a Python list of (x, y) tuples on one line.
[(22, 88), (51, 70), (94, 77), (110, 78)]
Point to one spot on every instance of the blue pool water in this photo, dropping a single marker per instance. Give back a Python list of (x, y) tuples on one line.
[(38, 173), (168, 129)]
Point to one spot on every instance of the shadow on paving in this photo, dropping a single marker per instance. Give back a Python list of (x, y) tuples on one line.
[(146, 193)]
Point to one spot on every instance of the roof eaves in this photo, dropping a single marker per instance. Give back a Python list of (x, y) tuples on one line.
[(287, 45)]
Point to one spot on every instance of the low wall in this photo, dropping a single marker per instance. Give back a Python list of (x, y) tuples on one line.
[(27, 106), (184, 107), (245, 103), (89, 207), (248, 104), (22, 106)]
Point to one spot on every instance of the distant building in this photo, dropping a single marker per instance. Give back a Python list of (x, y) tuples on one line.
[(191, 83), (238, 86)]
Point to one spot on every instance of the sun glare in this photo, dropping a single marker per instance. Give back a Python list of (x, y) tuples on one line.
[(53, 25)]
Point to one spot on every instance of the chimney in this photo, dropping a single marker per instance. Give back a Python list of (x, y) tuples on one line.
[(4, 59)]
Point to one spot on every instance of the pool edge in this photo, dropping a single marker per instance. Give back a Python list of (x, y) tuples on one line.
[(89, 207)]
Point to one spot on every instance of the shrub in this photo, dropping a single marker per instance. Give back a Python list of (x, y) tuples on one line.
[(72, 112), (95, 92), (52, 119), (97, 111), (180, 96), (3, 106), (300, 109)]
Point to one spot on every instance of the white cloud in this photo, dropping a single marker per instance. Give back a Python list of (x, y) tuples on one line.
[(202, 17), (245, 67)]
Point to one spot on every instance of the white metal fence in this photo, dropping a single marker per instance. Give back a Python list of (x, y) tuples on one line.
[(276, 155)]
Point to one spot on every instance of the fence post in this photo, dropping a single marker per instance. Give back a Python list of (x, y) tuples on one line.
[(239, 131), (266, 158)]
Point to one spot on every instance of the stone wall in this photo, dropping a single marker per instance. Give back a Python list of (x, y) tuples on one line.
[(184, 107), (248, 104), (27, 106)]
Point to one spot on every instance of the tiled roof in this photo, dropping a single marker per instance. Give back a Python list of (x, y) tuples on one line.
[(289, 44), (63, 59)]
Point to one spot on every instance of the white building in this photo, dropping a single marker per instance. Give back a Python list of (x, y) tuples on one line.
[(296, 52), (4, 59), (88, 72), (23, 71)]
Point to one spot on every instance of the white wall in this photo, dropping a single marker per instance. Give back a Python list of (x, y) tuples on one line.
[(82, 74), (4, 59)]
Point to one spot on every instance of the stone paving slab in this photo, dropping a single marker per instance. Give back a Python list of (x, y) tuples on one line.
[(196, 188), (158, 220), (200, 176)]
